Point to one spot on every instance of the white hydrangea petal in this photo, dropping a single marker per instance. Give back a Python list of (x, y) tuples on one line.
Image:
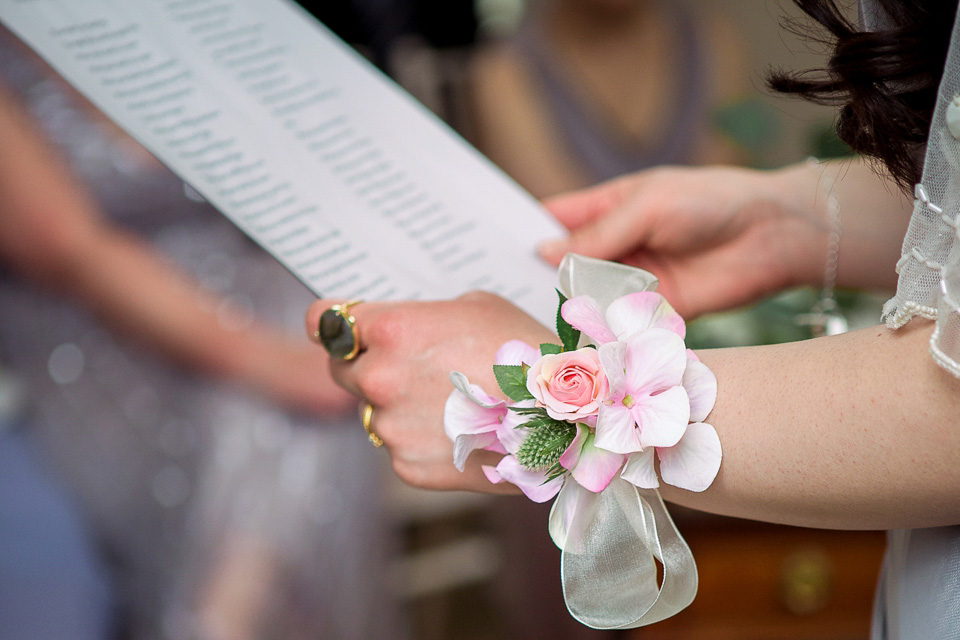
[(496, 446), (611, 361), (491, 474), (516, 352), (510, 432), (583, 313), (639, 470), (570, 515), (654, 360), (476, 394), (596, 467), (461, 415), (571, 456), (662, 418), (532, 483), (701, 386), (616, 430), (464, 445), (643, 310), (695, 461)]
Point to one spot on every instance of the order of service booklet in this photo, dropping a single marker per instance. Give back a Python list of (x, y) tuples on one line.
[(350, 183)]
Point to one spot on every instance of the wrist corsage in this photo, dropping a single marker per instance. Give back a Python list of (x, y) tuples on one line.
[(584, 422)]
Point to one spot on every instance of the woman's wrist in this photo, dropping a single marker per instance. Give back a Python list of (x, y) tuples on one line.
[(802, 195)]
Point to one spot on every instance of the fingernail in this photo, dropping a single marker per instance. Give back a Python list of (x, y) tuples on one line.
[(553, 249)]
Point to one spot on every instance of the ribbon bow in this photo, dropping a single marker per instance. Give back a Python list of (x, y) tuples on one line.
[(612, 540)]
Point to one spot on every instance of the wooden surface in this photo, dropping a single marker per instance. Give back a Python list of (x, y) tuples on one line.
[(762, 582), (757, 582)]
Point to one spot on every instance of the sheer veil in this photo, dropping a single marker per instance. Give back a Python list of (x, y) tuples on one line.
[(917, 595), (929, 283)]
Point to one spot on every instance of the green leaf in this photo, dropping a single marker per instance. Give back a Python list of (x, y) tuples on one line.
[(569, 336), (513, 381), (540, 418), (539, 421), (548, 348), (554, 472), (529, 411)]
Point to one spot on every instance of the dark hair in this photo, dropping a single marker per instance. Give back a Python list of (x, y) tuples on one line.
[(885, 81)]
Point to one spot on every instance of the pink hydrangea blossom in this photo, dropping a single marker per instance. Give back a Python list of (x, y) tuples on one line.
[(694, 461), (625, 316), (647, 405), (472, 418)]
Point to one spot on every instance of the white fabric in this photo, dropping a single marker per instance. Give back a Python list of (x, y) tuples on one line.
[(611, 541), (920, 586), (873, 17), (929, 284)]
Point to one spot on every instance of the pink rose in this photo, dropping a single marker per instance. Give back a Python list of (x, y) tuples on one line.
[(570, 385)]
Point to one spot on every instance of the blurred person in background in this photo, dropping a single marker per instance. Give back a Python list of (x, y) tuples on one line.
[(184, 467), (586, 90), (53, 581)]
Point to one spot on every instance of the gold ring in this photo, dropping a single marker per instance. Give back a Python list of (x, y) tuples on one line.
[(366, 417), (337, 331)]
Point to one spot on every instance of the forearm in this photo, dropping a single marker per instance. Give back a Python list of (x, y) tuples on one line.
[(856, 431), (53, 235), (871, 211), (135, 292)]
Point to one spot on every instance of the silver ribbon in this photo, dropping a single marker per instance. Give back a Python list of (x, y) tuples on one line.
[(611, 541)]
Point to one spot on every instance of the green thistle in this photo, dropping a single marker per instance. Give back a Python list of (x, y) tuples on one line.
[(543, 446)]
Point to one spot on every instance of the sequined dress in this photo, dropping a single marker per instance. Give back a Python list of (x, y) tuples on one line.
[(188, 482)]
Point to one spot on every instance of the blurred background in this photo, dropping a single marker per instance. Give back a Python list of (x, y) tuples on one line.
[(562, 94), (187, 503)]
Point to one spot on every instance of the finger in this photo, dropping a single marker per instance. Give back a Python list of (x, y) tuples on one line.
[(344, 372), (439, 474), (579, 210), (611, 237), (359, 310), (577, 207), (349, 374)]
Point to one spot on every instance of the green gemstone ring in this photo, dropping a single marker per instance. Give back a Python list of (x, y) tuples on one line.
[(337, 331)]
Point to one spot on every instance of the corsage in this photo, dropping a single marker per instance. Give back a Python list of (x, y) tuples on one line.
[(583, 423)]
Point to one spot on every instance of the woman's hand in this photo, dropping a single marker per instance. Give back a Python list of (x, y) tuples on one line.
[(293, 374), (716, 237), (408, 352), (55, 236)]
